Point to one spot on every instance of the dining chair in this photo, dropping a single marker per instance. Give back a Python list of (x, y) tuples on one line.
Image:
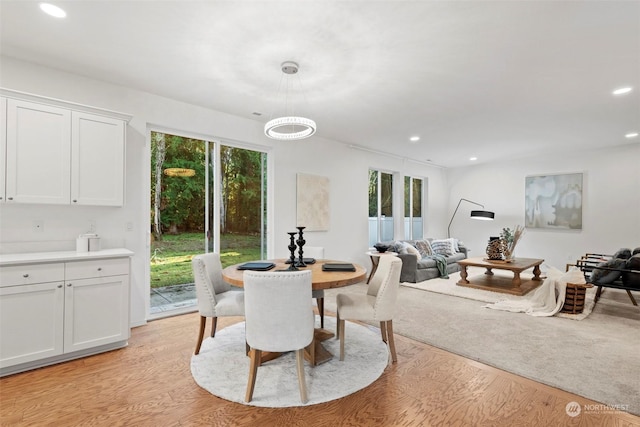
[(278, 318), (215, 297), (378, 304), (316, 252)]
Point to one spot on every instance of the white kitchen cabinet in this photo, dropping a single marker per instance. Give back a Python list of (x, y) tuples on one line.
[(38, 160), (96, 303), (31, 313), (56, 311), (97, 160), (57, 152), (3, 146)]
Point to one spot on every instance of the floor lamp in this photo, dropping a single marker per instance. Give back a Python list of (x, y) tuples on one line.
[(484, 215)]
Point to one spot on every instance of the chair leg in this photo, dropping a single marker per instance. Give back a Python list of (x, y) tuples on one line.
[(338, 325), (341, 332), (633, 300), (383, 331), (213, 326), (203, 322), (253, 371), (301, 381), (391, 342), (320, 304)]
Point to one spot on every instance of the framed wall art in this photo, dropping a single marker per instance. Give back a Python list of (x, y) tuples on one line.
[(312, 202), (554, 201)]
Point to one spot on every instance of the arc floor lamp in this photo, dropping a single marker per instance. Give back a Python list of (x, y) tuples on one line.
[(483, 215)]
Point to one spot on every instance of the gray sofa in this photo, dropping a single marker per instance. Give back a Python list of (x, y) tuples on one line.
[(416, 270)]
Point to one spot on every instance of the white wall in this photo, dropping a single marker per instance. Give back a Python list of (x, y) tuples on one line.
[(346, 168), (611, 197)]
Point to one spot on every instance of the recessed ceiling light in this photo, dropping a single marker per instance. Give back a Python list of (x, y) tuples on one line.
[(622, 90), (52, 10), (414, 139), (473, 159), (631, 135)]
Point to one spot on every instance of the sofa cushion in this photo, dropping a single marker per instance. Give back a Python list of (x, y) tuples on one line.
[(602, 276), (423, 247), (632, 279), (624, 253), (442, 247)]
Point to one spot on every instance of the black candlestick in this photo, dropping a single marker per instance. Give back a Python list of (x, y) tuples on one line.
[(292, 249), (300, 243)]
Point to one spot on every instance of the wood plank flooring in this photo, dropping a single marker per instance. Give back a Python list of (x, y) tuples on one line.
[(149, 383)]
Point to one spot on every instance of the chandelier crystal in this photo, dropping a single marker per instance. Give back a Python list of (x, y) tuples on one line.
[(289, 128)]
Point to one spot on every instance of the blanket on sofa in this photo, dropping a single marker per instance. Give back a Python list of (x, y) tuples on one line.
[(441, 263)]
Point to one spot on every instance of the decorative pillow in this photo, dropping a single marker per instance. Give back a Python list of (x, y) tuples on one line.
[(604, 277), (454, 244), (632, 279), (623, 253), (635, 251), (442, 247), (410, 249), (424, 248)]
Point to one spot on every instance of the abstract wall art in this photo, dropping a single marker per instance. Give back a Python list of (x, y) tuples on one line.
[(554, 201), (312, 202)]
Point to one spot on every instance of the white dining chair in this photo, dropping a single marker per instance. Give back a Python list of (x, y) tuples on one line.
[(215, 297), (316, 252), (378, 304), (279, 318)]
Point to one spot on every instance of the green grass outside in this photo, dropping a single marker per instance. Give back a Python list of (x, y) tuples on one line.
[(171, 257)]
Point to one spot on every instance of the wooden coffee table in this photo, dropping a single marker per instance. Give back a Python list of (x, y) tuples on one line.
[(490, 282)]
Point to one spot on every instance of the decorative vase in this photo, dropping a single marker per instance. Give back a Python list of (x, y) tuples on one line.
[(495, 249)]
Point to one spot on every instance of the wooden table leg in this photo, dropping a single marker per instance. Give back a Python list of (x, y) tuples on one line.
[(536, 273), (374, 267), (463, 274), (488, 272), (516, 280), (315, 353)]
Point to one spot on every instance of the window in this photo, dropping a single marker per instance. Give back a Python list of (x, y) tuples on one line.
[(380, 207), (413, 223)]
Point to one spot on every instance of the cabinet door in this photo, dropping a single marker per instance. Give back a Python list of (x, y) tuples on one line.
[(97, 159), (96, 312), (3, 146), (31, 322), (38, 147)]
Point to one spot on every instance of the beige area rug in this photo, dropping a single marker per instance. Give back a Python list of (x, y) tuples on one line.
[(449, 287), (596, 358), (222, 368)]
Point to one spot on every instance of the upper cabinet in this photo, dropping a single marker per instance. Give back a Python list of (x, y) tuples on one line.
[(60, 153)]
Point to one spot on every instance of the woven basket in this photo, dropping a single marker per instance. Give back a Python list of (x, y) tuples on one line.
[(574, 298)]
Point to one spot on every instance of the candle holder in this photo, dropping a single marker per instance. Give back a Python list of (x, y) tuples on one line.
[(300, 242), (292, 249)]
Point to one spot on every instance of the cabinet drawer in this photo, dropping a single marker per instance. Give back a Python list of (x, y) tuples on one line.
[(96, 268), (29, 274)]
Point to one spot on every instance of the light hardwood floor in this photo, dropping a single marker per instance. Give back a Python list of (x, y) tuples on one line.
[(149, 383)]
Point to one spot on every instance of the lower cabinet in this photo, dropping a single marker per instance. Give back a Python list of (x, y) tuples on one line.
[(43, 323)]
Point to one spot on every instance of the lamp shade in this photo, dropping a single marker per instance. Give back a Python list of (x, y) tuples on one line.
[(483, 215)]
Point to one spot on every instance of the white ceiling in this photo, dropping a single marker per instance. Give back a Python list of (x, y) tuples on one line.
[(492, 79)]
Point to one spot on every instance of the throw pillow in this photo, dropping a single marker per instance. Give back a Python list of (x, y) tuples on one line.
[(410, 249), (454, 244), (632, 279), (424, 248), (604, 277), (623, 253), (636, 251), (442, 247)]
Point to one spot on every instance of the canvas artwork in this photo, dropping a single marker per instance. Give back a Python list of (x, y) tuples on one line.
[(312, 202), (554, 201)]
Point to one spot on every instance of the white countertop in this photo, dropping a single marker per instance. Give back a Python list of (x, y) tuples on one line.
[(61, 256)]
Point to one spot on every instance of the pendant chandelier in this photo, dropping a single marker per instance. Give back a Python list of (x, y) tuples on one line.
[(289, 127)]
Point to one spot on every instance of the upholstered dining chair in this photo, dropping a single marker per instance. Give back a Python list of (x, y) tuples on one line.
[(378, 304), (215, 297), (279, 317), (316, 252)]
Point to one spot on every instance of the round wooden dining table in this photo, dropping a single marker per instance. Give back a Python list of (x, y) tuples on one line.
[(315, 353)]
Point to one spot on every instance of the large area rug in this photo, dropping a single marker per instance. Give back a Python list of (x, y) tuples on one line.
[(597, 357), (222, 368)]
